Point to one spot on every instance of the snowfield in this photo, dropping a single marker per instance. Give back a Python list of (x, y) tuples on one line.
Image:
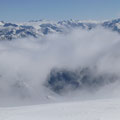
[(107, 109)]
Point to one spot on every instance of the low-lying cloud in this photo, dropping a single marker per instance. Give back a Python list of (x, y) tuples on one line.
[(26, 63)]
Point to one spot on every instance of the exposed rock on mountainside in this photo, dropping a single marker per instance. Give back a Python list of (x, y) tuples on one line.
[(39, 28)]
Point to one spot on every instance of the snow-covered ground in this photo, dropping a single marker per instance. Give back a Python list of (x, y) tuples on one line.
[(107, 109)]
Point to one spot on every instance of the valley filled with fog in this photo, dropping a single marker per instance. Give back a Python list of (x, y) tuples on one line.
[(78, 65)]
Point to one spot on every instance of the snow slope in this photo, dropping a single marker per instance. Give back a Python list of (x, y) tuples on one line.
[(108, 109)]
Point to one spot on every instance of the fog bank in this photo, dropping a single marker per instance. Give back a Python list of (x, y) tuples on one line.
[(25, 65)]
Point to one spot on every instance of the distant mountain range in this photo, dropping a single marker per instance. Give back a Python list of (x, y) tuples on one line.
[(9, 31)]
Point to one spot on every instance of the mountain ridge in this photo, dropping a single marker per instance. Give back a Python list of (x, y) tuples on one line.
[(38, 28)]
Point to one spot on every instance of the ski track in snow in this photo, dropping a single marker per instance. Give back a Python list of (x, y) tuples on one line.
[(108, 109)]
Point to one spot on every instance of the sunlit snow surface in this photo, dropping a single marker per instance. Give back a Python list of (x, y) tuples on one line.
[(84, 110)]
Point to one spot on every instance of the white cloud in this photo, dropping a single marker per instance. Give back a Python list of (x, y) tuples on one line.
[(25, 63)]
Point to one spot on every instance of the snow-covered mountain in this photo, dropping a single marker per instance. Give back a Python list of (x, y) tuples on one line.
[(81, 63), (43, 27), (73, 75)]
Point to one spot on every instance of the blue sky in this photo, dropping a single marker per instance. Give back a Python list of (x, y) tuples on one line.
[(25, 10)]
